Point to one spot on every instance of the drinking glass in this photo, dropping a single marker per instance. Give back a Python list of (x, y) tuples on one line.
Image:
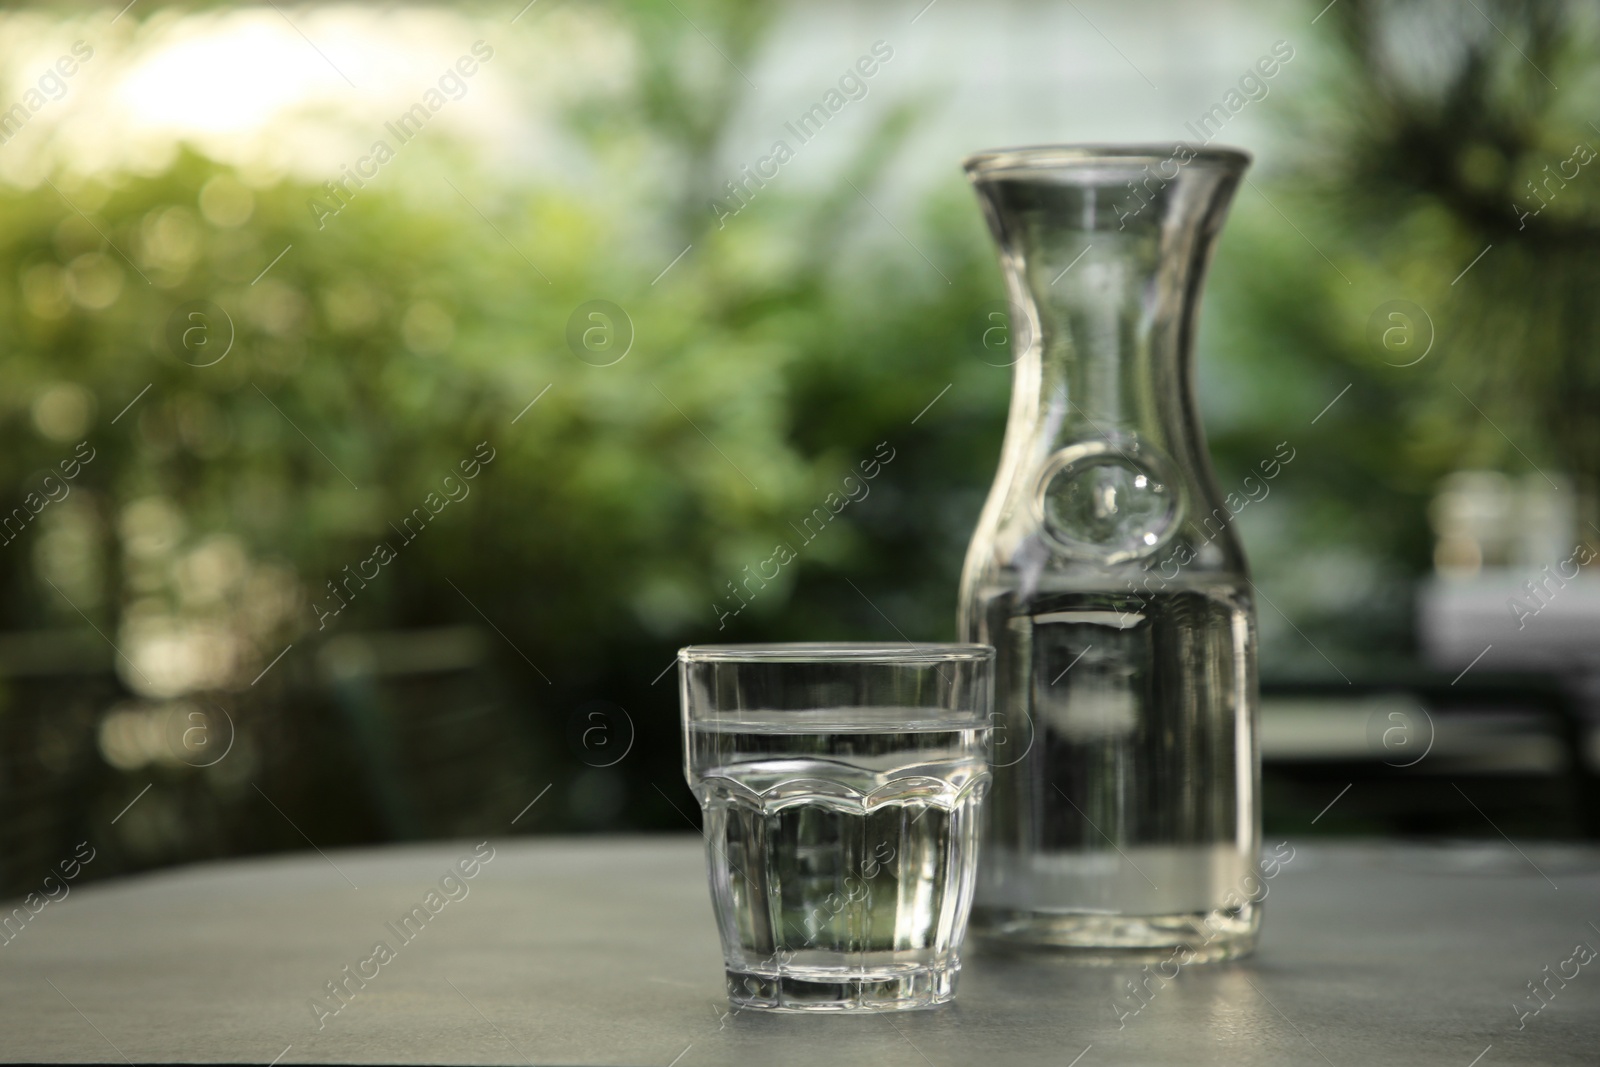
[(840, 785)]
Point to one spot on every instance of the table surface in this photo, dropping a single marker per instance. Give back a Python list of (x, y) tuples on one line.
[(602, 951)]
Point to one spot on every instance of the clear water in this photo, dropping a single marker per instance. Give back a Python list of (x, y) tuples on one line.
[(1123, 806), (841, 860)]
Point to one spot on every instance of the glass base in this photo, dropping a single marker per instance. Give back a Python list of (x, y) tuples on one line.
[(1184, 938), (805, 989)]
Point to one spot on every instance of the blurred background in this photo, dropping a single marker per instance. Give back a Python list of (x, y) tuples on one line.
[(388, 391)]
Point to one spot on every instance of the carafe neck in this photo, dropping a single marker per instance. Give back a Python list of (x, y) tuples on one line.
[(1104, 252)]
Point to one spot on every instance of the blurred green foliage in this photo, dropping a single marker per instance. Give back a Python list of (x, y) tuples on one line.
[(782, 349), (393, 340), (1424, 166)]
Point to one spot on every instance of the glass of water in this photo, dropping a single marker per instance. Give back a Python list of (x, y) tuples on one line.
[(841, 787)]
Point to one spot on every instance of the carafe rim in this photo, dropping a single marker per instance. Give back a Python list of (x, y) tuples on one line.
[(1044, 159)]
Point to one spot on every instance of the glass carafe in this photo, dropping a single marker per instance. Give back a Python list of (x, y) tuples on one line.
[(1123, 821)]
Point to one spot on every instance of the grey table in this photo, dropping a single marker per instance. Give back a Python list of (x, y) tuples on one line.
[(602, 951)]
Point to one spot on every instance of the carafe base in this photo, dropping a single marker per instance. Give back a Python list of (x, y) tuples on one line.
[(1119, 940)]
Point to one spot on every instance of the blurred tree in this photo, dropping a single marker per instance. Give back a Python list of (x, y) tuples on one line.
[(1444, 140), (1433, 288), (639, 475), (746, 365)]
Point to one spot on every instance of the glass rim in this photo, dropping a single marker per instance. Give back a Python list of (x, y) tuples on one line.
[(909, 653), (1046, 159)]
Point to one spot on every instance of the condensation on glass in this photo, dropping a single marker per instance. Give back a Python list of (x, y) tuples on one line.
[(1124, 820)]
